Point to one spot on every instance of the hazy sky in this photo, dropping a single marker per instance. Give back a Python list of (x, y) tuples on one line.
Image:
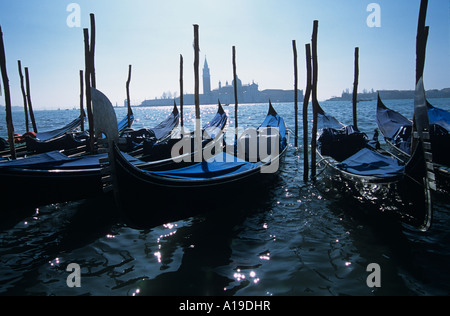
[(151, 35)]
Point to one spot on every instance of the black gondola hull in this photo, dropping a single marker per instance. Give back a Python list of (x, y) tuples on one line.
[(36, 188), (390, 121), (401, 198), (149, 201)]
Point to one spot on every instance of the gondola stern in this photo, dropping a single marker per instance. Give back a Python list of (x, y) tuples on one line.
[(318, 108), (105, 119), (272, 110), (220, 110), (107, 132), (380, 103), (422, 157), (418, 176), (175, 108)]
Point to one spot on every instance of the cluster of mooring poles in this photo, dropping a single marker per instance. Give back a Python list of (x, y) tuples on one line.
[(312, 75), (87, 80)]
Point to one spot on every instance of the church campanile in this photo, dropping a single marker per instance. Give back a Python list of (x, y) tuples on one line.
[(206, 79)]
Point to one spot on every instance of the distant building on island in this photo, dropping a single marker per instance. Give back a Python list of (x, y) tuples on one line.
[(247, 93), (391, 95)]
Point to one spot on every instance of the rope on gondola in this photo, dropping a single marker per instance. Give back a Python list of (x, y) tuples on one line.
[(293, 134), (318, 164)]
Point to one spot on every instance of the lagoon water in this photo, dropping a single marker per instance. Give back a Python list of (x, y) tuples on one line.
[(298, 240)]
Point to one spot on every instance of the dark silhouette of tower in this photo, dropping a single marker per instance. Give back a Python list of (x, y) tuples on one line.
[(206, 79)]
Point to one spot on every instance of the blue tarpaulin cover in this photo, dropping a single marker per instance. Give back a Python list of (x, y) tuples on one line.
[(166, 127), (224, 164), (45, 136), (123, 124), (57, 160), (42, 160), (439, 117), (275, 120), (327, 121), (366, 162), (390, 122), (216, 125), (219, 166)]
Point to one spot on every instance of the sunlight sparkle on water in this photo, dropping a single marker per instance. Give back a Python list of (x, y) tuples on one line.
[(265, 256), (136, 292), (158, 256)]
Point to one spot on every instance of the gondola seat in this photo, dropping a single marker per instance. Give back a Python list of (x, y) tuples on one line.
[(341, 143), (367, 162)]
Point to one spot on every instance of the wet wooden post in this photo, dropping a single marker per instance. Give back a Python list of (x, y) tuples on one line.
[(306, 99), (315, 73), (87, 78), (198, 133), (196, 71), (24, 96), (92, 52), (236, 123), (421, 40), (294, 46), (421, 47), (9, 121), (30, 105), (130, 112), (355, 89), (82, 99), (181, 91)]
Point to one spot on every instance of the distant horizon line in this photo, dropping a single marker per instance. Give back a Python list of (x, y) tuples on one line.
[(445, 91)]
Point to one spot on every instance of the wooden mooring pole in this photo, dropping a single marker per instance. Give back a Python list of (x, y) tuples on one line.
[(82, 99), (294, 46), (196, 71), (355, 89), (92, 52), (315, 102), (24, 96), (421, 40), (181, 91), (30, 105), (9, 121), (306, 99), (87, 78), (421, 47), (198, 156), (130, 111), (236, 121)]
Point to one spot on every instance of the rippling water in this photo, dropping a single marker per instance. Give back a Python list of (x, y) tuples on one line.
[(298, 240)]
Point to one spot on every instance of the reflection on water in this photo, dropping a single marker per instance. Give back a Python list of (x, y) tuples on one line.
[(297, 239)]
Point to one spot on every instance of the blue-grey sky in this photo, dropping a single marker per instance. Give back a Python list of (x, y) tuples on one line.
[(151, 35)]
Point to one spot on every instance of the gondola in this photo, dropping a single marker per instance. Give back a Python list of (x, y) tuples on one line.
[(158, 154), (69, 141), (374, 176), (43, 137), (158, 197), (54, 177), (397, 132)]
